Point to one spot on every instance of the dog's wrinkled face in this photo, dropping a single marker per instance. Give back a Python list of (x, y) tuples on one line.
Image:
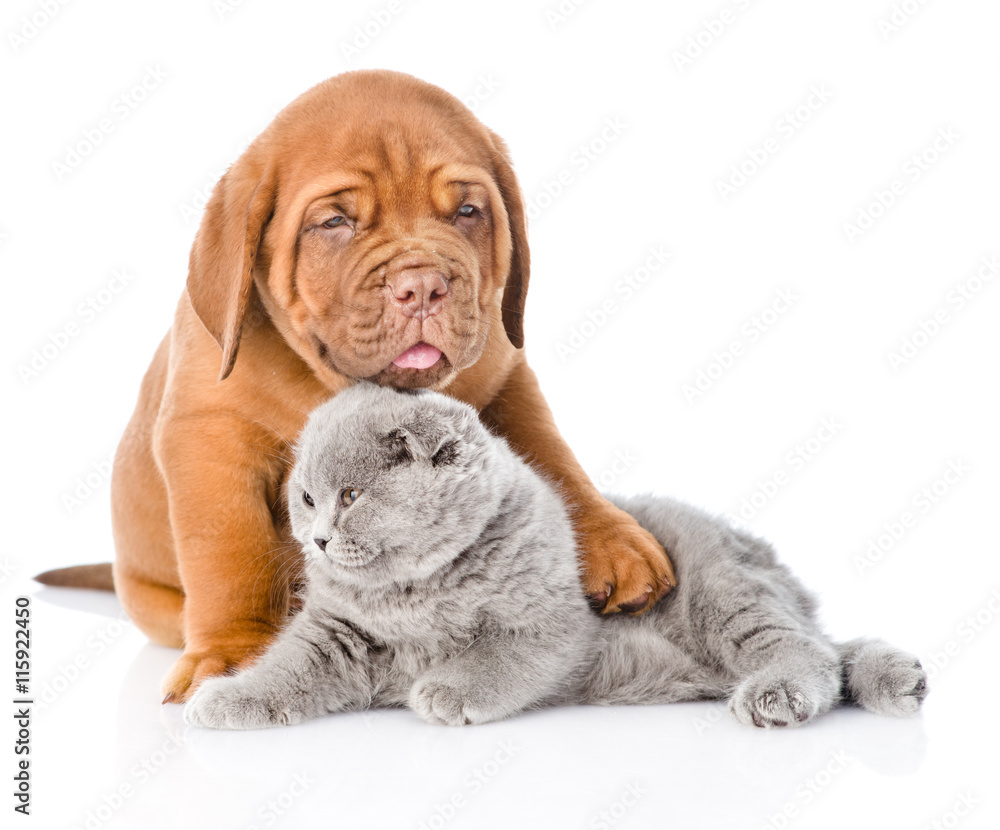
[(387, 245), (394, 274)]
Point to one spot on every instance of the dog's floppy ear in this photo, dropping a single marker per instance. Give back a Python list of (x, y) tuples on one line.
[(220, 272), (516, 289)]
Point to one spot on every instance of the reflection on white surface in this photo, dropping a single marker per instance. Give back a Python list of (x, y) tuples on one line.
[(108, 754)]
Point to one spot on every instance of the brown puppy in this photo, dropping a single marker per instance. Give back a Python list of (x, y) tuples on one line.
[(374, 230)]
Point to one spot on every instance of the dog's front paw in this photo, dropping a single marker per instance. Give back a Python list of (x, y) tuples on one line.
[(228, 703), (770, 701), (626, 568), (194, 667)]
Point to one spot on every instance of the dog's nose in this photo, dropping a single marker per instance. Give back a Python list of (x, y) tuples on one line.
[(420, 292), (320, 543)]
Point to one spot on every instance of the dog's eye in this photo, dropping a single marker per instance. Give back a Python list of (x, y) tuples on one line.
[(308, 499), (348, 496), (335, 222), (467, 211)]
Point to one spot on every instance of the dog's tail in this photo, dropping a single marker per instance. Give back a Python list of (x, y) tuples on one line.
[(97, 577)]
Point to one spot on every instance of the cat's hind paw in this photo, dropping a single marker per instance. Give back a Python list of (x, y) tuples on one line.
[(769, 701), (882, 679)]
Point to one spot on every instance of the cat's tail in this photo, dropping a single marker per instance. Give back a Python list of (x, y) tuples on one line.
[(881, 678), (97, 577)]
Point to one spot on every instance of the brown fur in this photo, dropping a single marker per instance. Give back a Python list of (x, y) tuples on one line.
[(203, 560)]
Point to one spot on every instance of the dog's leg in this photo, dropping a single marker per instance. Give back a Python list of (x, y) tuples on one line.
[(626, 568), (145, 568), (233, 565), (158, 610)]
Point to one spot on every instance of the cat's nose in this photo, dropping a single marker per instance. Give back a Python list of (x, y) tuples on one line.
[(321, 543)]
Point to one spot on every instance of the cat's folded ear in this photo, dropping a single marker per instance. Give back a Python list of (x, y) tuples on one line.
[(421, 442)]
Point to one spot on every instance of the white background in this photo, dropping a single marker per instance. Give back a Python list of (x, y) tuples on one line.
[(106, 754)]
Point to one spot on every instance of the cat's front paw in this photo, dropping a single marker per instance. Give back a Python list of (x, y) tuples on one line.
[(456, 701), (229, 703), (769, 701), (439, 702)]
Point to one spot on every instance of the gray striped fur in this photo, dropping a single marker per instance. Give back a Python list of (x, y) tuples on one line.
[(451, 585)]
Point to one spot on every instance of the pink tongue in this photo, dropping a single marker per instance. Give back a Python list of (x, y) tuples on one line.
[(421, 356)]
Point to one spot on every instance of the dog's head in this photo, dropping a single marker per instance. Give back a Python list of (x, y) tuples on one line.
[(380, 226)]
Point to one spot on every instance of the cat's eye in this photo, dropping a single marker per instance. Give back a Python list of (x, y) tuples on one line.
[(308, 499), (348, 496)]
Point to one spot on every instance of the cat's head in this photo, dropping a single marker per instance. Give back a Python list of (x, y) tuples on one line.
[(391, 485)]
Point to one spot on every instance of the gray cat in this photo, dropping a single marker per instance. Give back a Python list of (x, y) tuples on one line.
[(442, 575)]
